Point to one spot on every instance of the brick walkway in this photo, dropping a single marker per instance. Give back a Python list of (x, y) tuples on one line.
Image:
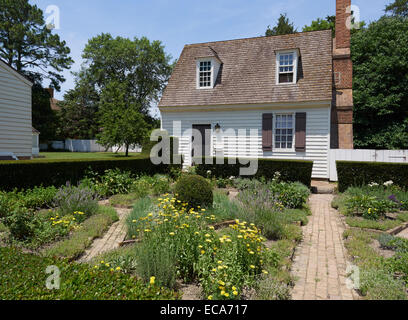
[(111, 239), (320, 261)]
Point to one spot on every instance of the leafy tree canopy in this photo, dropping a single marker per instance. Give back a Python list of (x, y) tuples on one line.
[(380, 59), (78, 112), (283, 27), (121, 121), (322, 24), (29, 46), (142, 64), (398, 8)]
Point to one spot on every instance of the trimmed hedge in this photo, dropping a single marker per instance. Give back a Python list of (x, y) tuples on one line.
[(194, 190), (290, 170), (352, 173), (28, 174)]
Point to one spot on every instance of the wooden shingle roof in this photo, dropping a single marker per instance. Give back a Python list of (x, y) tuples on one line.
[(248, 72)]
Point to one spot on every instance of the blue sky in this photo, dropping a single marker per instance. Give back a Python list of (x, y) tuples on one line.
[(180, 22)]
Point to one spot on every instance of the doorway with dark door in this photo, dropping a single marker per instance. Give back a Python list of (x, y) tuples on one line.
[(205, 144)]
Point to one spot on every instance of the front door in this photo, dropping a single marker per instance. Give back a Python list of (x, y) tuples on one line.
[(205, 145)]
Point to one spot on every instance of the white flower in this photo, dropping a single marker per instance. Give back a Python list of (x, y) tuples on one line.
[(388, 183), (373, 184), (209, 172), (232, 178)]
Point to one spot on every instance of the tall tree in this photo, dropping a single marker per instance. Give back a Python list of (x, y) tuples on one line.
[(122, 123), (398, 8), (322, 24), (329, 23), (144, 65), (78, 114), (29, 46), (380, 59), (283, 27), (44, 119)]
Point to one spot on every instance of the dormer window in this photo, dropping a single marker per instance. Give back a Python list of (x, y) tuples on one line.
[(205, 74), (286, 72)]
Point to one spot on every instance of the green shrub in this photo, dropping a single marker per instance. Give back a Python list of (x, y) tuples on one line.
[(24, 277), (82, 238), (28, 174), (369, 207), (378, 284), (194, 190), (21, 223), (291, 195), (113, 181), (289, 170), (364, 173), (70, 199), (140, 209)]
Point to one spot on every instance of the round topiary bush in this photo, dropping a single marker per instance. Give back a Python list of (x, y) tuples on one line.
[(195, 190)]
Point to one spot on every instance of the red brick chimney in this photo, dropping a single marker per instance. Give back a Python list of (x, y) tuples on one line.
[(50, 91), (342, 108)]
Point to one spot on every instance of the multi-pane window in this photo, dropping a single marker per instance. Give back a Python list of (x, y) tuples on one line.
[(205, 74), (286, 67), (284, 131)]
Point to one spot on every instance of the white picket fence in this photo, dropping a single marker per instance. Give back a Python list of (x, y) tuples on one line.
[(75, 145), (398, 156)]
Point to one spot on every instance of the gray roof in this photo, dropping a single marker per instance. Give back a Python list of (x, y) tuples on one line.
[(248, 71)]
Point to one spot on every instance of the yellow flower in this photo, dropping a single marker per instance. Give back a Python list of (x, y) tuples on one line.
[(152, 280), (172, 233), (235, 293), (226, 294), (210, 297), (221, 283), (222, 292), (117, 268), (207, 235), (107, 264), (252, 266), (265, 272), (202, 251)]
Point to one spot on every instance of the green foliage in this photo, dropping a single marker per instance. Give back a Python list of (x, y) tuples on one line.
[(20, 222), (322, 24), (121, 118), (44, 119), (369, 207), (94, 227), (378, 284), (113, 181), (380, 68), (141, 208), (289, 170), (398, 8), (290, 195), (28, 174), (78, 112), (36, 198), (27, 44), (70, 199), (24, 277), (362, 223), (282, 27), (194, 190), (363, 173)]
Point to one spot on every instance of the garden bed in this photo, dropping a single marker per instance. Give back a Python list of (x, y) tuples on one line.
[(374, 214)]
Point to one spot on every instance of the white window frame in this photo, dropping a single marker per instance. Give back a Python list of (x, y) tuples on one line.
[(295, 66), (274, 128), (211, 70)]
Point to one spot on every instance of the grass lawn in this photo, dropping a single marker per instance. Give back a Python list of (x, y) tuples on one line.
[(83, 155)]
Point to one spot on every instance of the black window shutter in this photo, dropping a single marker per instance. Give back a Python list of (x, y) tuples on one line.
[(300, 137), (267, 119)]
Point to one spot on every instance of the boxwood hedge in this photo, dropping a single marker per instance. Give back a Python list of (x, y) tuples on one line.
[(28, 174), (290, 170), (352, 173), (23, 277)]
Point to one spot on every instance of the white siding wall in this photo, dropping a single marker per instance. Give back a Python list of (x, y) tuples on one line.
[(15, 114), (317, 134)]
